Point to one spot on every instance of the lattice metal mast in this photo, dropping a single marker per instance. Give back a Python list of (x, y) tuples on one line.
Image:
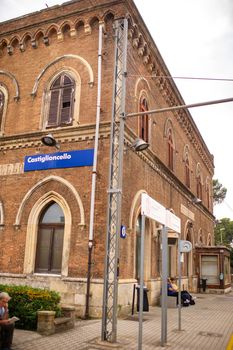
[(110, 295)]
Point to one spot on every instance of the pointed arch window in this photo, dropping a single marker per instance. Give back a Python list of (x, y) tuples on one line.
[(170, 150), (187, 172), (61, 101), (50, 240), (208, 193), (144, 121), (200, 238), (2, 104), (199, 187)]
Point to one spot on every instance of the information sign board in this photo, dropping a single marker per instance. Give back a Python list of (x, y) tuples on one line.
[(153, 209), (57, 160)]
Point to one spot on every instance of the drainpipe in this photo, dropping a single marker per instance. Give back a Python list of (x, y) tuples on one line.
[(91, 227)]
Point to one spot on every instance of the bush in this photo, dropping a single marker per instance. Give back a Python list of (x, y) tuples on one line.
[(26, 301)]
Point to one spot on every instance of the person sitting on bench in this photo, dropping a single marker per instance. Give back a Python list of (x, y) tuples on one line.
[(172, 290)]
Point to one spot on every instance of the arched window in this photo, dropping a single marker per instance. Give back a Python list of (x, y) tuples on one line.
[(3, 105), (187, 172), (209, 240), (1, 215), (144, 121), (208, 193), (2, 101), (200, 238), (50, 240), (199, 181), (170, 150), (61, 105), (199, 187)]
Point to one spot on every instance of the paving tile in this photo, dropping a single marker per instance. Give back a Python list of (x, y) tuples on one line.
[(206, 325)]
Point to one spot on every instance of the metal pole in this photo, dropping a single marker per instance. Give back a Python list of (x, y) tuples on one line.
[(110, 293), (141, 283), (179, 286), (164, 287), (174, 108), (93, 185)]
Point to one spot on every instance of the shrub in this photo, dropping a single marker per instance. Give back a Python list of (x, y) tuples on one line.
[(26, 301)]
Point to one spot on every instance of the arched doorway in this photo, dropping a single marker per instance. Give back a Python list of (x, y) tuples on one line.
[(50, 240), (188, 257)]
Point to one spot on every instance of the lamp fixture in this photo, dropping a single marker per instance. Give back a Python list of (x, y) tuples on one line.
[(140, 145), (196, 200), (49, 140)]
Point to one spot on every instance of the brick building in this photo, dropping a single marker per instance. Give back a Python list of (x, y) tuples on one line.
[(48, 84)]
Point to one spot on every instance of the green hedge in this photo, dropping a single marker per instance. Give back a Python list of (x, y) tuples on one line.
[(26, 301)]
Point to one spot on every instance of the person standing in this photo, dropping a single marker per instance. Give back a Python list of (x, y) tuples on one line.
[(6, 327)]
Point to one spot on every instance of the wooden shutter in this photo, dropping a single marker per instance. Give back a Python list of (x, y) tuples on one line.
[(66, 106), (53, 110), (44, 239), (61, 101), (56, 250), (144, 121), (1, 106)]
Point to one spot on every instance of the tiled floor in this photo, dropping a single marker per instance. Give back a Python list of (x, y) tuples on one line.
[(206, 325)]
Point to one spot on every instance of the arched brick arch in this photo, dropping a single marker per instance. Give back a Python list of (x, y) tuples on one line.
[(39, 185), (14, 81), (135, 208), (64, 57)]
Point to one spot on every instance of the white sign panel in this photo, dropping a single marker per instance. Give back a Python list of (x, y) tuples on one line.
[(173, 222), (153, 209), (185, 246)]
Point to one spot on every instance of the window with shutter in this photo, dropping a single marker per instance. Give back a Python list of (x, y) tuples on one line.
[(2, 99), (170, 150), (61, 101), (53, 108), (187, 172), (144, 121)]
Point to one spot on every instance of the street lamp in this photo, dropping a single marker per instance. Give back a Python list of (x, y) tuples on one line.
[(196, 200), (49, 140), (140, 145)]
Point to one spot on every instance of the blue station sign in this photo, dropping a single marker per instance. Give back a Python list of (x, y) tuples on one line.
[(57, 160)]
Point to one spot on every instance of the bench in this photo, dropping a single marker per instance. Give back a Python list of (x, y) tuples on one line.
[(171, 302), (63, 323), (47, 323)]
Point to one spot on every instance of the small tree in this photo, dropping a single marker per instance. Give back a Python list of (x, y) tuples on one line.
[(224, 232), (219, 192)]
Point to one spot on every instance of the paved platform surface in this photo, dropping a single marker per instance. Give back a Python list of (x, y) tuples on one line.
[(206, 325)]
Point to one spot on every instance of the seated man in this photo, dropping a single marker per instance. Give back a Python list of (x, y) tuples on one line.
[(6, 328), (172, 289)]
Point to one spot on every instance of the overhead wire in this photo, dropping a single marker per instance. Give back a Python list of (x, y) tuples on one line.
[(179, 77)]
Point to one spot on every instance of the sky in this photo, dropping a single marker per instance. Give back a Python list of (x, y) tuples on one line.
[(195, 39)]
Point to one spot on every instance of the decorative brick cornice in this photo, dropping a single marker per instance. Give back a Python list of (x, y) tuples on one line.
[(16, 40), (63, 136)]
